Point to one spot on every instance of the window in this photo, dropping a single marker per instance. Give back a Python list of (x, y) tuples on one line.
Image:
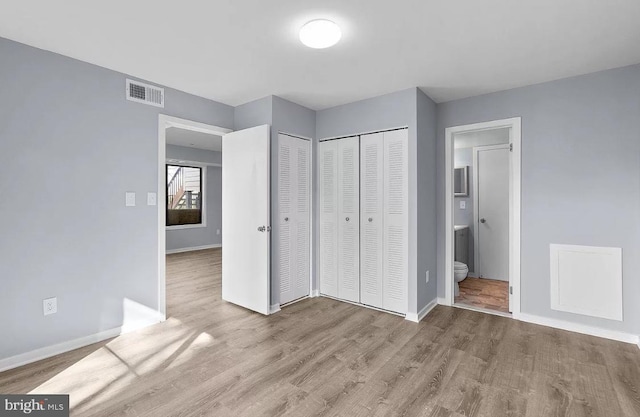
[(184, 195)]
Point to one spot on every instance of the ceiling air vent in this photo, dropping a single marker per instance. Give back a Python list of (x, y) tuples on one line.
[(145, 93)]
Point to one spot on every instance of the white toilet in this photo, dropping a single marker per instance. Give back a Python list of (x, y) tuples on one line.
[(460, 272)]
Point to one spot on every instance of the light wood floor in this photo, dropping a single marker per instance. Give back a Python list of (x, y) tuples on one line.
[(485, 293), (324, 357)]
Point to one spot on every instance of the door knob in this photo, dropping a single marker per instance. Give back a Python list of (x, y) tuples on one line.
[(370, 219), (347, 219), (261, 228), (286, 219), (483, 220)]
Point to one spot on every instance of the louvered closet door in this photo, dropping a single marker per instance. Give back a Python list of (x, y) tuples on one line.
[(371, 219), (348, 219), (302, 205), (328, 183), (396, 221), (293, 220)]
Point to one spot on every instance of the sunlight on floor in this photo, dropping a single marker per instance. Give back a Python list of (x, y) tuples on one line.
[(123, 361)]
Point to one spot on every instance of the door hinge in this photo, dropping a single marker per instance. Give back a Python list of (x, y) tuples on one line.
[(511, 147), (510, 290)]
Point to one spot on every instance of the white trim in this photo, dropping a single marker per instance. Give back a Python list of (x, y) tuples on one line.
[(363, 305), (580, 328), (476, 203), (514, 199), (193, 248), (443, 301), (165, 122), (59, 348), (363, 133), (274, 308), (171, 161), (297, 300), (417, 318), (315, 293)]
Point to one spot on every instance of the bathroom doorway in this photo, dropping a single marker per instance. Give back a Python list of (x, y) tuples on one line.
[(483, 217)]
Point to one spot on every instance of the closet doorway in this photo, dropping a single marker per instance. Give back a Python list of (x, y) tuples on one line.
[(294, 218), (482, 216), (364, 222)]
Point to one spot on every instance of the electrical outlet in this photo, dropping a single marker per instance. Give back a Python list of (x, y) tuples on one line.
[(50, 306), (426, 277), (151, 199), (217, 231)]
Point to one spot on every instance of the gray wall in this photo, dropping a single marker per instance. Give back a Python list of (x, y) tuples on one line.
[(464, 157), (427, 207), (78, 146), (391, 111), (201, 236), (580, 176)]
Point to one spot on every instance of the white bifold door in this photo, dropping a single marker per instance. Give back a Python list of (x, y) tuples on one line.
[(294, 217), (339, 180), (245, 218), (384, 220)]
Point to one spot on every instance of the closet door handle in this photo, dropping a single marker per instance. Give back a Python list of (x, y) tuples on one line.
[(286, 219), (347, 219), (370, 219)]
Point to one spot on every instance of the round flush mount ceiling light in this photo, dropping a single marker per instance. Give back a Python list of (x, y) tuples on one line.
[(320, 33)]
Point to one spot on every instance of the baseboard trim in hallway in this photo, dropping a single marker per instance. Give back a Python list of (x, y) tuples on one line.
[(53, 350), (193, 248)]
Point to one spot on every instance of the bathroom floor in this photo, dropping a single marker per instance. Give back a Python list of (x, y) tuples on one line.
[(485, 293)]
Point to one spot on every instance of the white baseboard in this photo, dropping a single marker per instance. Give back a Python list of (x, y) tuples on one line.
[(580, 328), (314, 293), (53, 350), (274, 308), (443, 301), (193, 248), (416, 318)]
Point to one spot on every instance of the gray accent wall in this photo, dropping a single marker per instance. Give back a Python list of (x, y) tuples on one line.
[(77, 145), (580, 177), (200, 236), (427, 207)]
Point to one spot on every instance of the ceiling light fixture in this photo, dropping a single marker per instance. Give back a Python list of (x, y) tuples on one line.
[(320, 33)]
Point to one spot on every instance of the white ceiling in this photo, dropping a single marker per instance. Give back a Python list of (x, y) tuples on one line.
[(238, 51), (191, 139)]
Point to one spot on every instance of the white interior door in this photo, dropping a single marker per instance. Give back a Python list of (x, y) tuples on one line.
[(294, 186), (349, 219), (328, 233), (371, 219), (491, 167), (245, 218), (396, 221)]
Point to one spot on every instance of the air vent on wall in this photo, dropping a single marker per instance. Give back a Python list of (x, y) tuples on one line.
[(145, 93)]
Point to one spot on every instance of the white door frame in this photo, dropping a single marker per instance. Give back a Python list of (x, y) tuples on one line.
[(515, 141), (311, 206), (165, 122)]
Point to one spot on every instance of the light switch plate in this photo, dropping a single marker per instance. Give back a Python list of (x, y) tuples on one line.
[(130, 199), (151, 199), (426, 277), (50, 306), (463, 204), (217, 231)]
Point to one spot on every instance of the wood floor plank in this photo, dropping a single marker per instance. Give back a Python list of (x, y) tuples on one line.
[(322, 357)]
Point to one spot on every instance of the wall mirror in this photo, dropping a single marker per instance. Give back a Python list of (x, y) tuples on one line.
[(461, 182)]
